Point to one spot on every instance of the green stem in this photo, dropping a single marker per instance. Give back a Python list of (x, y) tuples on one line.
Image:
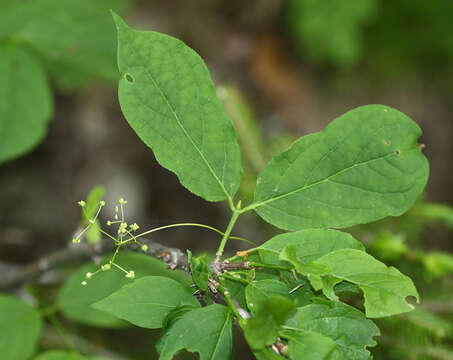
[(270, 266), (184, 224), (228, 230), (233, 278), (230, 304), (62, 332)]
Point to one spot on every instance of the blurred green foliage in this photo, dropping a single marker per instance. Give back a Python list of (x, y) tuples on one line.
[(68, 42), (330, 30), (391, 38)]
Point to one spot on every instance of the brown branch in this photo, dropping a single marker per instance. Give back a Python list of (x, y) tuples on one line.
[(13, 275)]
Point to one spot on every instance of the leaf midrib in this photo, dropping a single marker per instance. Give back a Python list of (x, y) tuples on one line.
[(220, 334), (208, 165), (264, 202)]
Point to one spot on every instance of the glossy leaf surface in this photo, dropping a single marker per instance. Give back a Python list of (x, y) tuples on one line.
[(363, 166), (167, 96)]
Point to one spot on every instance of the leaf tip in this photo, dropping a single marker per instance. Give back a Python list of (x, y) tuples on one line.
[(119, 22)]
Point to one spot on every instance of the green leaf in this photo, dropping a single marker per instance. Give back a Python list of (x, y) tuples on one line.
[(310, 244), (200, 270), (167, 96), (257, 291), (313, 345), (385, 288), (65, 355), (267, 354), (169, 321), (20, 327), (89, 212), (25, 102), (363, 166), (92, 202), (207, 331), (236, 288), (271, 312), (345, 325), (312, 271), (74, 300), (147, 301)]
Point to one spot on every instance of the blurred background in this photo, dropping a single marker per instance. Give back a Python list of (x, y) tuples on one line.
[(283, 69)]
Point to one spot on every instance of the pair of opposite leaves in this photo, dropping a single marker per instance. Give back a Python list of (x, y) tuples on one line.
[(363, 166)]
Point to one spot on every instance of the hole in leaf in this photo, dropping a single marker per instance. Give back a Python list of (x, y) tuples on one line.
[(129, 78), (397, 152)]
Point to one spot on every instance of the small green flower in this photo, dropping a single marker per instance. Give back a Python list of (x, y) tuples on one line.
[(106, 267)]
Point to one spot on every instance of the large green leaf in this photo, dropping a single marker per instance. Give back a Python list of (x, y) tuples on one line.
[(167, 96), (20, 326), (345, 325), (147, 301), (363, 166), (25, 102), (310, 244), (207, 331), (385, 288), (271, 313), (74, 300)]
